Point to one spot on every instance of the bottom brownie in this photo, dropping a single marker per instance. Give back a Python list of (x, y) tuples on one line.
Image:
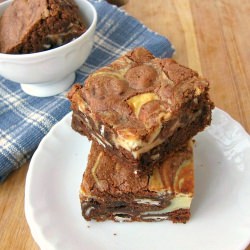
[(110, 191)]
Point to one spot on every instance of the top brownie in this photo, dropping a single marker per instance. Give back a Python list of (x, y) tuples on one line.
[(141, 108), (29, 26)]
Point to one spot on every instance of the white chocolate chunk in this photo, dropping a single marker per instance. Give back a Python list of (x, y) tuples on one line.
[(102, 130), (121, 219), (87, 213), (147, 201), (156, 218), (179, 202)]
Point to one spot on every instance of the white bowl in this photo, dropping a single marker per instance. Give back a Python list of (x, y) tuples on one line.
[(50, 72)]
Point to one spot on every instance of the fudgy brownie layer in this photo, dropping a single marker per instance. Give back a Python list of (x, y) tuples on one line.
[(140, 107), (29, 26), (99, 213), (110, 190)]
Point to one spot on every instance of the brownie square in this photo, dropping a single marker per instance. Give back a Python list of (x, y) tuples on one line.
[(141, 108), (29, 26), (112, 191)]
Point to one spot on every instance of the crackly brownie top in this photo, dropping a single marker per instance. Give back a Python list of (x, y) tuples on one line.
[(137, 92), (105, 176), (24, 19)]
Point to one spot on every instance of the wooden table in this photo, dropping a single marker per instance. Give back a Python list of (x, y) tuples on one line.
[(211, 37)]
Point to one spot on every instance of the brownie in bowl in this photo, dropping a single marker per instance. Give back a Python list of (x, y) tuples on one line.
[(29, 26)]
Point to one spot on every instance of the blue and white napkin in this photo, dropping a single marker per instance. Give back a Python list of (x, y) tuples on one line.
[(25, 120)]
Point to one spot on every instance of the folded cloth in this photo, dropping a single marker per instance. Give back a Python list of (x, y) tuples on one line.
[(25, 120)]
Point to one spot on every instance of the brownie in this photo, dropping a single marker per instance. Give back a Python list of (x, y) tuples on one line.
[(141, 108), (29, 26), (112, 191)]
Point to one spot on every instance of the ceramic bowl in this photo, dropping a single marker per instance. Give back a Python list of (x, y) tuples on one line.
[(50, 72)]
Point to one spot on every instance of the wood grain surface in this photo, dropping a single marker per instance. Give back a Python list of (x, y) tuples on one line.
[(211, 37)]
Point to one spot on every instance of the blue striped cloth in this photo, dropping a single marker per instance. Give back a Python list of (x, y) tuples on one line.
[(25, 120)]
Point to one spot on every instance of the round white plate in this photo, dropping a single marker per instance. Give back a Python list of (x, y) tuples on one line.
[(220, 210)]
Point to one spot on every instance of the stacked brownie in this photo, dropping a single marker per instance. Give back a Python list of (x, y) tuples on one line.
[(141, 113)]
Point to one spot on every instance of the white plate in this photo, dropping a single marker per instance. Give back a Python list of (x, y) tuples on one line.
[(220, 211)]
